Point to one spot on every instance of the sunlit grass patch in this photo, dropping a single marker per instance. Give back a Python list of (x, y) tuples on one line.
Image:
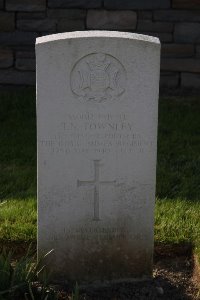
[(18, 220), (177, 221)]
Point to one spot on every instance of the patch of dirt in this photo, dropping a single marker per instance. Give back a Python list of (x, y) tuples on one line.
[(196, 272), (172, 279), (175, 277), (18, 248)]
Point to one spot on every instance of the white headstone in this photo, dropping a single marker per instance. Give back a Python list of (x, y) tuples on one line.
[(97, 102)]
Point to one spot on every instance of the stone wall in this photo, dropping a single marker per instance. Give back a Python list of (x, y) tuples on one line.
[(175, 22)]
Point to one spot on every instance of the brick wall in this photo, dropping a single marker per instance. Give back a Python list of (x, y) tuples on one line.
[(175, 22)]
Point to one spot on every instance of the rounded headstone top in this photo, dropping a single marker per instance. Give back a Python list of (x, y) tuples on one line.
[(97, 34)]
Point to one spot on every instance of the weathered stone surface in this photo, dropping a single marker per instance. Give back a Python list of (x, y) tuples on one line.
[(198, 50), (187, 32), (25, 64), (177, 15), (190, 4), (7, 21), (145, 15), (31, 15), (70, 25), (68, 19), (177, 50), (26, 5), (18, 38), (136, 4), (25, 54), (190, 80), (37, 25), (43, 33), (146, 25), (180, 64), (111, 19), (70, 14), (6, 58), (97, 155), (164, 37), (169, 79), (75, 4), (17, 77)]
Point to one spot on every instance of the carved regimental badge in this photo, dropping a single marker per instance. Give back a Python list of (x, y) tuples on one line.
[(98, 77)]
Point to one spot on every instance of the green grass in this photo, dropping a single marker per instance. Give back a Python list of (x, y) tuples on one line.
[(178, 168), (18, 145), (177, 220), (18, 220), (177, 216)]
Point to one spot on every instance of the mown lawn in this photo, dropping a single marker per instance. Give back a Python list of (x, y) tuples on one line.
[(177, 217)]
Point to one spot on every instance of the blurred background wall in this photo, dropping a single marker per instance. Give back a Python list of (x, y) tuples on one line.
[(175, 22)]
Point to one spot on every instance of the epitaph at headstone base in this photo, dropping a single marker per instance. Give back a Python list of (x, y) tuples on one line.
[(97, 99)]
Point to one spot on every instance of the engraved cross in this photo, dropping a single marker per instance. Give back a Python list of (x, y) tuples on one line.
[(96, 183)]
